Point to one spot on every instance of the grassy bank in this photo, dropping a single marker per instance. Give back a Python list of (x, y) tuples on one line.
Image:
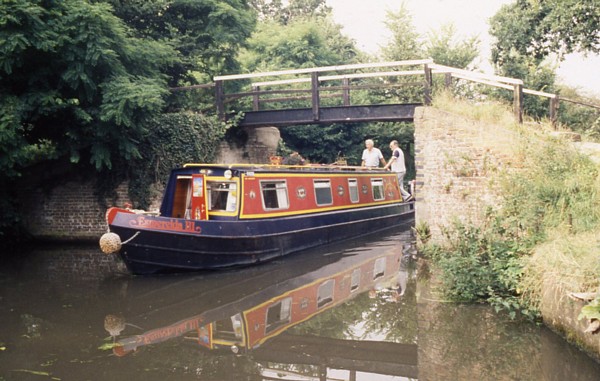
[(547, 228)]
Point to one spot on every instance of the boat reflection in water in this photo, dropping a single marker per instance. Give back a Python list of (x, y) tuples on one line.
[(246, 311)]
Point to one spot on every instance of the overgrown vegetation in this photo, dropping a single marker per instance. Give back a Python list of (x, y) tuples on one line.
[(170, 141), (545, 231)]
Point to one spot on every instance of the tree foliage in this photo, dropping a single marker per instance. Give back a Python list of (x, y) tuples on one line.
[(405, 42), (81, 85), (542, 28), (530, 33), (277, 11), (74, 82), (300, 44), (446, 48), (206, 34)]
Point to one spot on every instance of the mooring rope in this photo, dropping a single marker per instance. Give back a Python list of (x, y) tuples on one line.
[(132, 237)]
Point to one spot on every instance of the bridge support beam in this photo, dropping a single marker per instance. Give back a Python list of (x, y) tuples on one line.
[(328, 115)]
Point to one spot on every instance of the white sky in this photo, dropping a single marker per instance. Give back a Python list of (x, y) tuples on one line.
[(363, 21)]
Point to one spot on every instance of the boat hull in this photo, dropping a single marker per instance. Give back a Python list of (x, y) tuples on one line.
[(208, 245)]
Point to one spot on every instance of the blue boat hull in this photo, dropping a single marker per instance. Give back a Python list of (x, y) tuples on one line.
[(228, 243)]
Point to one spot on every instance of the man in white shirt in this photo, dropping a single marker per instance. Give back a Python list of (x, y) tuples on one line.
[(371, 156), (397, 165)]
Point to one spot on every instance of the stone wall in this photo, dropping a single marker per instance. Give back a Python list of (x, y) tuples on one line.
[(561, 313), (457, 161), (262, 143)]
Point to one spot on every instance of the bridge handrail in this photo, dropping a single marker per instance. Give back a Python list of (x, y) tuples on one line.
[(341, 76), (474, 75), (322, 69), (429, 68)]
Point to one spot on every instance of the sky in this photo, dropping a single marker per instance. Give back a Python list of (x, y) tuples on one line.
[(363, 20)]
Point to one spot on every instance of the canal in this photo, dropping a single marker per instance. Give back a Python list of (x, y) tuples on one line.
[(353, 311)]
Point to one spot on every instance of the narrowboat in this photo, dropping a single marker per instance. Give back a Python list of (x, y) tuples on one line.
[(214, 216)]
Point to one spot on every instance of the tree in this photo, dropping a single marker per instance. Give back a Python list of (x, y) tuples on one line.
[(76, 86), (404, 44), (74, 83), (299, 44), (527, 33), (206, 34), (275, 10), (543, 28), (445, 49), (303, 43)]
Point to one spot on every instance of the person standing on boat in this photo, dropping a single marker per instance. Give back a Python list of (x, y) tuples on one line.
[(396, 163), (372, 156)]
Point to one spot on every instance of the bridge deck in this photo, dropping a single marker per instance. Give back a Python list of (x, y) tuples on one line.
[(328, 115)]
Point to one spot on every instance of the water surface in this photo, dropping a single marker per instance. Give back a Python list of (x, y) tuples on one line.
[(340, 312)]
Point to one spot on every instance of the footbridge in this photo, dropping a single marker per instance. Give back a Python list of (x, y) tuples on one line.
[(370, 92)]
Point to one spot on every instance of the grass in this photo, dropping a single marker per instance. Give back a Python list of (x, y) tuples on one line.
[(569, 261), (487, 111)]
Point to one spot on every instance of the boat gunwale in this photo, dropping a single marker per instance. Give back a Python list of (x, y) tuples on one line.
[(266, 220)]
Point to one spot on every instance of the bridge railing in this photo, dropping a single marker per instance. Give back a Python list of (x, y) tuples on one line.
[(511, 84), (319, 87), (314, 86)]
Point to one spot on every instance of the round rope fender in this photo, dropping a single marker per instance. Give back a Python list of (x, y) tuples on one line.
[(110, 243)]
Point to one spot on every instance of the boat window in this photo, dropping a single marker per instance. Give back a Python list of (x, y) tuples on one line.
[(353, 189), (275, 194), (377, 185), (279, 314), (379, 269), (325, 293), (228, 329), (355, 281), (323, 192), (222, 196)]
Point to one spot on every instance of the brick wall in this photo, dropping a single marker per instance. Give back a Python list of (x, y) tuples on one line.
[(69, 212), (457, 166)]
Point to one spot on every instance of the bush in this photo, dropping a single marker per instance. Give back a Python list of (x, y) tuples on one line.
[(482, 264)]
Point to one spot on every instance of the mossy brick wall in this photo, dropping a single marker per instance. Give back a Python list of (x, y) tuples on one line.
[(68, 212), (458, 165)]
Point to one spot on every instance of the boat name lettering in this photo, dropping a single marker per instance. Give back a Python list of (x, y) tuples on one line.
[(173, 225), (162, 334)]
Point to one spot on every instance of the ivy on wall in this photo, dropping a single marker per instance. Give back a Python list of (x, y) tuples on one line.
[(169, 141)]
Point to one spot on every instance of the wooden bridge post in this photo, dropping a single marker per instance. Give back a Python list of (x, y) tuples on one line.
[(314, 80), (346, 91), (255, 98), (219, 99), (448, 80), (427, 86), (554, 110), (518, 102)]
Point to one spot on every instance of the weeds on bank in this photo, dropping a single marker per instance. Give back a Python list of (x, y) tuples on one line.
[(547, 230), (483, 264)]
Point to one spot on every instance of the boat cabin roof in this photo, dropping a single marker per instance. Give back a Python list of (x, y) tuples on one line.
[(312, 168)]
